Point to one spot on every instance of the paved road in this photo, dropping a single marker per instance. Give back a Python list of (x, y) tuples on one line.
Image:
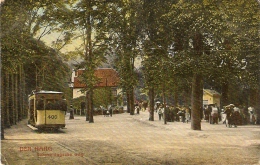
[(126, 139)]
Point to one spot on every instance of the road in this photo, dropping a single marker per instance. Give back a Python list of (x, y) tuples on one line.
[(131, 139)]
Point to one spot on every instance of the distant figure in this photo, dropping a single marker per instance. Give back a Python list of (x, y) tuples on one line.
[(137, 109), (71, 112), (106, 113), (215, 114), (145, 105), (160, 112), (187, 115), (110, 111)]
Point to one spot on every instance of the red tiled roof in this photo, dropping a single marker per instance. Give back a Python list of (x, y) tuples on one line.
[(108, 78)]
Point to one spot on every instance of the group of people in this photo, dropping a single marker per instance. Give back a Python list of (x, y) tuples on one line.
[(180, 113), (230, 115), (107, 112), (240, 116), (212, 113), (141, 106)]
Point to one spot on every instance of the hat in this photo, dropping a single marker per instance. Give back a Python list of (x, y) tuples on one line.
[(231, 105)]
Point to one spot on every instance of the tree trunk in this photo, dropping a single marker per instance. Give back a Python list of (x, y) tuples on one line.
[(224, 91), (91, 106), (89, 61), (87, 106), (151, 103), (196, 102), (16, 94), (128, 104), (176, 98), (3, 107), (201, 99), (7, 101), (132, 104), (21, 94), (13, 100), (24, 96), (164, 106)]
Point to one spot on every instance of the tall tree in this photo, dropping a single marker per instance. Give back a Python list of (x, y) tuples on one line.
[(124, 31), (89, 18), (156, 41), (193, 19)]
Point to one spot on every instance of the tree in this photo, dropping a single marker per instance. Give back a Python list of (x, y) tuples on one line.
[(156, 41), (21, 22), (191, 51), (90, 22), (211, 32), (124, 30)]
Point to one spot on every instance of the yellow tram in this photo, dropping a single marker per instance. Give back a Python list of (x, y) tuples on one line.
[(47, 110)]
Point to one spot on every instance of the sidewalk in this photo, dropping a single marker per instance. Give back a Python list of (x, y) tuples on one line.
[(143, 116)]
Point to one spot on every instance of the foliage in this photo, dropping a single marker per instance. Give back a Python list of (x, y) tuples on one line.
[(27, 62), (103, 97)]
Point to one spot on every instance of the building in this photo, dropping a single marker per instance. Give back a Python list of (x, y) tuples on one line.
[(108, 78), (211, 97)]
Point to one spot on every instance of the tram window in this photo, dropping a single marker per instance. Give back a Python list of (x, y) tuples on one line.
[(50, 104), (40, 104), (56, 104)]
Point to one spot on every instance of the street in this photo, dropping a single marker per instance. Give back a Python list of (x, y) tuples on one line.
[(125, 139)]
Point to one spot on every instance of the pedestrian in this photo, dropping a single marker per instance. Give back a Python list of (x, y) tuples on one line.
[(107, 113), (160, 112), (183, 116), (137, 109), (110, 111), (163, 112), (71, 112), (145, 105), (187, 115)]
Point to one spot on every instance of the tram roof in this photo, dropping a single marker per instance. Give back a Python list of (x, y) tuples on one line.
[(46, 92)]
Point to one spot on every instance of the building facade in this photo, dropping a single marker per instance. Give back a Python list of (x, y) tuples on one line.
[(108, 77), (211, 97)]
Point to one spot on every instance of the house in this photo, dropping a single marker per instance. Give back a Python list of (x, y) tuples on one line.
[(108, 78), (211, 97)]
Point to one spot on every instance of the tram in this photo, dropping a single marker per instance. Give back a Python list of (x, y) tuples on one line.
[(47, 110)]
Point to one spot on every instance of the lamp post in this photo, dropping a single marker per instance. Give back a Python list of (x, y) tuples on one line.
[(71, 85)]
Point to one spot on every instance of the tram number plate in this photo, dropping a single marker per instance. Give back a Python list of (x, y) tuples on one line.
[(52, 117)]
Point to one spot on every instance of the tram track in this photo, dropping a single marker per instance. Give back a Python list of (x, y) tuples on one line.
[(73, 151), (93, 162)]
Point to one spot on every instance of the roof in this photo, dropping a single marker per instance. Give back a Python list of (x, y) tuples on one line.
[(45, 92), (108, 78), (211, 92), (34, 92)]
